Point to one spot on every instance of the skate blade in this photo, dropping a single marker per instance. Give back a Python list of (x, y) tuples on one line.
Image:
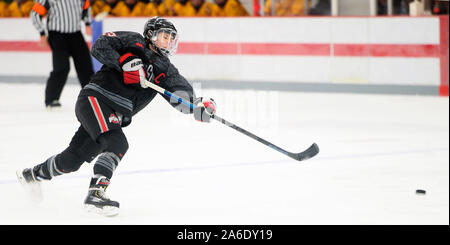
[(34, 190), (107, 211)]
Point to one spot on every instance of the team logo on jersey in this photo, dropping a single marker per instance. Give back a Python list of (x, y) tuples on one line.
[(160, 75), (110, 34), (150, 72), (113, 119)]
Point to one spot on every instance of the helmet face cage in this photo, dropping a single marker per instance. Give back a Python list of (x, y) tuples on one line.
[(166, 41), (162, 35)]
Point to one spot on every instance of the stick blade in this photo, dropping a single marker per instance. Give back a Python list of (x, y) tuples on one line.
[(307, 154)]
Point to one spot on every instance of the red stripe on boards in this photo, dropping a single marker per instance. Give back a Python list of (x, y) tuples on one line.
[(387, 50), (22, 46), (300, 49), (292, 49), (443, 54)]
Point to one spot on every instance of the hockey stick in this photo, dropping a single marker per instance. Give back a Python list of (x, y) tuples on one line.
[(301, 156)]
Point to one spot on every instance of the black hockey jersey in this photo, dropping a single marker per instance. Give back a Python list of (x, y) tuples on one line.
[(108, 84)]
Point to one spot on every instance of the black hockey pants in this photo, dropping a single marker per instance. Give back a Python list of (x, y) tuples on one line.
[(100, 134)]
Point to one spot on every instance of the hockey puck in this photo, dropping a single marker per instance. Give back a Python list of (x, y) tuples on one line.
[(420, 192)]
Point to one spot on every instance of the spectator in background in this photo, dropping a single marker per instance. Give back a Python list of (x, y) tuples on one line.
[(119, 8), (133, 8), (15, 8), (102, 6), (19, 8), (440, 7), (159, 8), (398, 7), (323, 7), (228, 8), (178, 7), (3, 7), (196, 8), (66, 40), (285, 8), (129, 8)]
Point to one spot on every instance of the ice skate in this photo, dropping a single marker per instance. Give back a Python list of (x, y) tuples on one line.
[(31, 183), (97, 201)]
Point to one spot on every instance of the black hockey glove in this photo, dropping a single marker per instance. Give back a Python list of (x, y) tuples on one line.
[(204, 109), (134, 71)]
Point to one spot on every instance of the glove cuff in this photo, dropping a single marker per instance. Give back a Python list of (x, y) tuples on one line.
[(205, 108), (126, 57)]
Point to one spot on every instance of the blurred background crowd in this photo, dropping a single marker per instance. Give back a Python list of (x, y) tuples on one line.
[(222, 8)]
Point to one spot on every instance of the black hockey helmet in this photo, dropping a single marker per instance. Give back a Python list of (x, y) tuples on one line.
[(156, 29)]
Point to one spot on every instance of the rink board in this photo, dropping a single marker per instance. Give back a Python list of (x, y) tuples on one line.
[(379, 51)]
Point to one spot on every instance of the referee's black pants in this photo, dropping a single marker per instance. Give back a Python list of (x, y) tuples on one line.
[(64, 46)]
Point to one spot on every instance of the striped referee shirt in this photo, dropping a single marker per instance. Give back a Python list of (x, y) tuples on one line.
[(63, 16)]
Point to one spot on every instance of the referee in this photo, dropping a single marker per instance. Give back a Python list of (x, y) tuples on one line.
[(63, 25)]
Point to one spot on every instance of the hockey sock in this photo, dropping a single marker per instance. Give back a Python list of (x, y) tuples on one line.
[(106, 164), (46, 170), (65, 162), (115, 146)]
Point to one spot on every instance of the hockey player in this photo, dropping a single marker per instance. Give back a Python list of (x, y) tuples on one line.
[(107, 104)]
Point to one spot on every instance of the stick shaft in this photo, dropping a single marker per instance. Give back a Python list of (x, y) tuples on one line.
[(251, 135), (169, 94), (223, 121)]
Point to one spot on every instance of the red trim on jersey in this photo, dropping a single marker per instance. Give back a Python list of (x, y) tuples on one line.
[(140, 45), (99, 115)]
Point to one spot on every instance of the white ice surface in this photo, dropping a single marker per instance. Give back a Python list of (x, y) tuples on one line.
[(376, 150)]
